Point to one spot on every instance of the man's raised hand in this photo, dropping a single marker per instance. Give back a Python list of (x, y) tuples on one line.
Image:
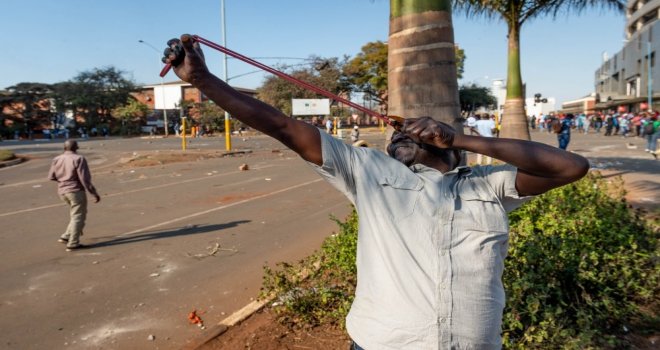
[(186, 57), (429, 131)]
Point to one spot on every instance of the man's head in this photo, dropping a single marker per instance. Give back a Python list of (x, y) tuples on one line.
[(408, 152), (70, 145)]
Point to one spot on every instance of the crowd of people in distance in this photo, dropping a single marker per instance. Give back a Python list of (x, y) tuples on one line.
[(627, 124), (645, 124)]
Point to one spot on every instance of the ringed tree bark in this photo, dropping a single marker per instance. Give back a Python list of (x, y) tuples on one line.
[(422, 61)]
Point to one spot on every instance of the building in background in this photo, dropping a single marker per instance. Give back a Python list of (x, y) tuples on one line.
[(629, 79), (582, 105), (168, 96), (498, 89)]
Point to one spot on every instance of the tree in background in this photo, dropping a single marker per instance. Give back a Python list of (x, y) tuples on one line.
[(132, 116), (324, 73), (28, 105), (473, 96), (208, 114), (515, 13), (367, 71), (94, 94), (422, 63)]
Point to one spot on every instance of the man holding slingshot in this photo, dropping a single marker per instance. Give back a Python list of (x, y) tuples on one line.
[(432, 234)]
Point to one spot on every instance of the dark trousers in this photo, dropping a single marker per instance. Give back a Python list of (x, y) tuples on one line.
[(354, 346), (563, 139)]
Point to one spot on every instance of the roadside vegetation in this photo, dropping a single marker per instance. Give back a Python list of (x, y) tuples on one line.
[(581, 273), (6, 154)]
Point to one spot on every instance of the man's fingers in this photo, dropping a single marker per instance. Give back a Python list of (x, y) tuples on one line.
[(174, 53), (187, 42), (198, 49)]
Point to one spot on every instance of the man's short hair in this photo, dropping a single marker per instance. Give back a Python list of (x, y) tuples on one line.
[(70, 145)]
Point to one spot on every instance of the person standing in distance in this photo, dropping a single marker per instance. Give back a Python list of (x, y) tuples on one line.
[(564, 135), (73, 178), (485, 128)]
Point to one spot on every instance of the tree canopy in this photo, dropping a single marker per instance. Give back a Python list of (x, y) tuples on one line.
[(322, 72), (473, 96), (95, 93)]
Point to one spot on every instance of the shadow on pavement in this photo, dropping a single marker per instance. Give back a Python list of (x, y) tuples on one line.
[(165, 234)]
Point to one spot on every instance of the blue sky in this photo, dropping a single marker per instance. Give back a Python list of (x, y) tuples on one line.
[(53, 40)]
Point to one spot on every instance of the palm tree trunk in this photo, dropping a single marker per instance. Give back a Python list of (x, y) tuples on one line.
[(514, 119), (422, 62)]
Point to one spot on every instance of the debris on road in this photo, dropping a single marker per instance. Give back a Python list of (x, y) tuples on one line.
[(243, 167), (195, 319), (151, 337), (212, 251), (155, 274)]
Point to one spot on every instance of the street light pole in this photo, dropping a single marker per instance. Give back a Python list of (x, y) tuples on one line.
[(224, 43), (162, 88), (650, 76)]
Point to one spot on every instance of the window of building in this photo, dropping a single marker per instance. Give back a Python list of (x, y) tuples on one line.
[(652, 59), (650, 35)]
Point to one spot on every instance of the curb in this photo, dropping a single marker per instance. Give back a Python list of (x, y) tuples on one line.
[(7, 163), (230, 321), (240, 315)]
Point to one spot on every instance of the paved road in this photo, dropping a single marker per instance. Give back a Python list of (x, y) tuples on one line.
[(150, 236), (149, 264)]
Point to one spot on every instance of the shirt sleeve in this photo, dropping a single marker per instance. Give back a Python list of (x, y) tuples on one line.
[(51, 171), (502, 180), (85, 176), (338, 165)]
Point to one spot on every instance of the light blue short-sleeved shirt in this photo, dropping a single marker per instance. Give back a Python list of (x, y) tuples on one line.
[(431, 249)]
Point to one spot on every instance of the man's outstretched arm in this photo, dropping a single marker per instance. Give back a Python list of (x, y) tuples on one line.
[(540, 167), (300, 137)]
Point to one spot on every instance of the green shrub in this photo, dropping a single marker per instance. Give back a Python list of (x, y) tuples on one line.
[(6, 154), (320, 288), (580, 265)]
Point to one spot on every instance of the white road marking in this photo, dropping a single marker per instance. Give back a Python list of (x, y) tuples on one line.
[(218, 208), (205, 177)]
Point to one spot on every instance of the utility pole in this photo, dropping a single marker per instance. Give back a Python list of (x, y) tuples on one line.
[(224, 43), (650, 77)]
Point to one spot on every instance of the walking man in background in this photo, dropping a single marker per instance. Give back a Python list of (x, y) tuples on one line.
[(73, 178)]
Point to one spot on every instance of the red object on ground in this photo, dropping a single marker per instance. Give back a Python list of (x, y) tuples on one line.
[(194, 318), (393, 121)]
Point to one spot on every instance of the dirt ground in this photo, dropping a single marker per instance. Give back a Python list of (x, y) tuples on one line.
[(261, 331)]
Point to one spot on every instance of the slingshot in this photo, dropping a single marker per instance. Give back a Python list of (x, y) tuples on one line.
[(393, 121)]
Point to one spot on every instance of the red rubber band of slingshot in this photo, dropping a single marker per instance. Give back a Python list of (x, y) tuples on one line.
[(390, 121)]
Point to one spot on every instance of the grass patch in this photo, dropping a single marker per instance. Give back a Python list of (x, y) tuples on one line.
[(6, 154)]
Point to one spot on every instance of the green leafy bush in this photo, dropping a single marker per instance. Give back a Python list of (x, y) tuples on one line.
[(582, 271), (320, 288), (580, 265)]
